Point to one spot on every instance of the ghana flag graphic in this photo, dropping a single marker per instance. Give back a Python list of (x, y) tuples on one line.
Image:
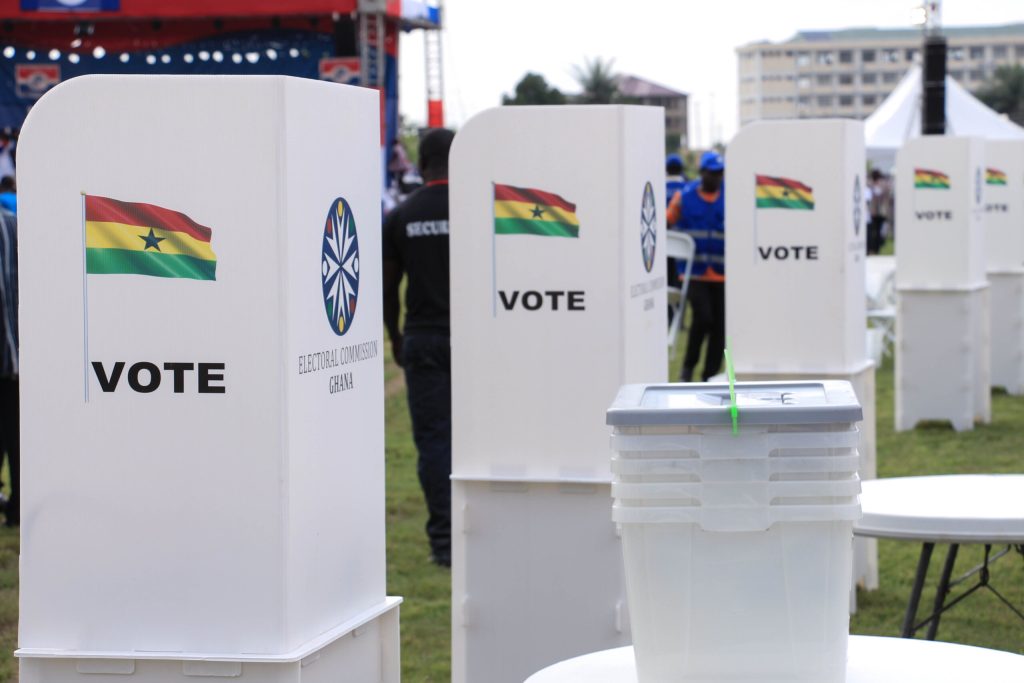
[(993, 176), (525, 211), (144, 239), (783, 193), (923, 178)]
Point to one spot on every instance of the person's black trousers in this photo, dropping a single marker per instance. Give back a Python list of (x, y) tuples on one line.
[(426, 359), (10, 443), (875, 239), (707, 303)]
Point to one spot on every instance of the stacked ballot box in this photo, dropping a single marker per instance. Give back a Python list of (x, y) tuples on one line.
[(795, 267), (1004, 238), (202, 312), (558, 271), (943, 326)]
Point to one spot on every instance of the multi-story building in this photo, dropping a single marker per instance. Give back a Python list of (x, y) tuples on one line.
[(848, 73), (640, 91)]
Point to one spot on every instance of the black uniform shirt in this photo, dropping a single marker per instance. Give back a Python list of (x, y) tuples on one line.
[(416, 237)]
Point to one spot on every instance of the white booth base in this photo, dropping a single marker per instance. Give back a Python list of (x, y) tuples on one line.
[(942, 357), (865, 550), (363, 650), (537, 576), (1008, 330)]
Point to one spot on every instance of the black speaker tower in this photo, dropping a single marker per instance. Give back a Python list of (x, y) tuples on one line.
[(933, 105)]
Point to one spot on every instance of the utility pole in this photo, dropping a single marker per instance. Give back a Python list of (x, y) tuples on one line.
[(933, 105)]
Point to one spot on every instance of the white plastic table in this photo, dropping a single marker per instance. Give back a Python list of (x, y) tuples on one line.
[(869, 660), (985, 509)]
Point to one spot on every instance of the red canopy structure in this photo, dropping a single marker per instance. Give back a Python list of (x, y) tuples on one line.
[(43, 42)]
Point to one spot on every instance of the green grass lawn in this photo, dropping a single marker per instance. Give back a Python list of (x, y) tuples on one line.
[(426, 630)]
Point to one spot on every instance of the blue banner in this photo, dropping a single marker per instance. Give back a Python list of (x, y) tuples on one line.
[(70, 5)]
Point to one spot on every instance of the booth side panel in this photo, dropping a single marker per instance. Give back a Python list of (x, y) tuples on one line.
[(939, 208), (152, 508), (535, 318), (936, 330), (794, 258), (1008, 331), (334, 365), (645, 354), (543, 578)]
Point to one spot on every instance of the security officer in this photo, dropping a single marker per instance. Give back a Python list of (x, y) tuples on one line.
[(415, 244)]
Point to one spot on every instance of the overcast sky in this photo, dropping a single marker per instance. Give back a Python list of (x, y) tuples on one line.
[(687, 45)]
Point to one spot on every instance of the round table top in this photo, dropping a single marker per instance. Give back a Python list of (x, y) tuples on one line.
[(957, 508), (869, 660)]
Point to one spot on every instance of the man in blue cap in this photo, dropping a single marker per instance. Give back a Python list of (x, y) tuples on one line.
[(699, 211)]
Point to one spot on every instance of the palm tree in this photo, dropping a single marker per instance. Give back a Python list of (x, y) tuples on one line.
[(598, 81), (1005, 92)]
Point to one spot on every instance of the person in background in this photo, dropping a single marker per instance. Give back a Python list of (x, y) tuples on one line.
[(415, 244), (8, 194), (9, 413), (398, 163), (674, 184), (7, 147), (699, 211), (879, 198)]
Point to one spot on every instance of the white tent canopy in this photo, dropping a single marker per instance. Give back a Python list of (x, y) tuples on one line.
[(898, 119)]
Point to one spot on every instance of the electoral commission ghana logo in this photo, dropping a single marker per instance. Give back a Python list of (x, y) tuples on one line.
[(648, 220), (339, 266)]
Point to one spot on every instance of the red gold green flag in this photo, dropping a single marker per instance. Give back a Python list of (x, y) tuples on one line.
[(783, 193), (994, 176), (526, 211), (145, 239), (923, 178)]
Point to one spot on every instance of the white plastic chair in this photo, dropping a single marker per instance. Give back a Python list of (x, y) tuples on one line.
[(880, 285), (680, 246)]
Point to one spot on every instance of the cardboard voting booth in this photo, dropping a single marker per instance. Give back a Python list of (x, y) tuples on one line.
[(202, 381), (558, 298), (942, 294), (1004, 238), (795, 265)]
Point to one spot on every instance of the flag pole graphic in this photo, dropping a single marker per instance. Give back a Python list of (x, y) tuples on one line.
[(85, 307), (753, 254), (494, 256)]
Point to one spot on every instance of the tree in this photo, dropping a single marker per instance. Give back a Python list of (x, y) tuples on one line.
[(1005, 92), (597, 80), (533, 89)]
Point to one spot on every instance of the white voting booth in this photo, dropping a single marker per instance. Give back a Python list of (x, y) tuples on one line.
[(202, 383), (1004, 238), (942, 327), (795, 263), (545, 328)]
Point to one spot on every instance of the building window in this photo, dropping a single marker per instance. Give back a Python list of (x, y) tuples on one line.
[(956, 54), (803, 58), (823, 79), (846, 100), (890, 56), (999, 52), (803, 100), (869, 79), (824, 100), (1019, 51), (976, 75), (890, 77), (826, 58), (846, 56), (867, 55), (869, 100), (977, 52), (804, 82), (956, 75), (911, 54), (845, 79)]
